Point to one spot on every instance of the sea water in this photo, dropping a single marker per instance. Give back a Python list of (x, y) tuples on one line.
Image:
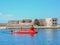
[(43, 37)]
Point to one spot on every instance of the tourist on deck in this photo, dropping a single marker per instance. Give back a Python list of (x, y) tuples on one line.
[(32, 28)]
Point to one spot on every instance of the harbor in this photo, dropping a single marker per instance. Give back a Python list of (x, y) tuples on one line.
[(29, 22)]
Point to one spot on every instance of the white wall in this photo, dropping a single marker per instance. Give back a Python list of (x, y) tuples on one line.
[(48, 22)]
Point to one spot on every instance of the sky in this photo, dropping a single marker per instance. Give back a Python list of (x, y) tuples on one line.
[(29, 9)]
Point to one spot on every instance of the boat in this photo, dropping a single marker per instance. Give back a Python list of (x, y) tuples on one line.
[(30, 31), (24, 32)]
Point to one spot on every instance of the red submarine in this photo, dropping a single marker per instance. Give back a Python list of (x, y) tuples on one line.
[(30, 31)]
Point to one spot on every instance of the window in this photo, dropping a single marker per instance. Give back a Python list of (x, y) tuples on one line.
[(53, 23), (50, 20), (29, 21), (23, 21), (53, 20)]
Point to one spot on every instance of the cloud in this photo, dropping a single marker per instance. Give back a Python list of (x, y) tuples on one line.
[(0, 14), (9, 15), (6, 17)]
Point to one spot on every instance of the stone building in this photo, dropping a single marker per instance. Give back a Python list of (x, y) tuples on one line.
[(3, 24), (47, 22), (13, 22), (51, 22), (26, 22), (29, 22), (42, 22)]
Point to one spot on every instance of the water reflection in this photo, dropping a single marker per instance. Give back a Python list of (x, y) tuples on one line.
[(32, 36), (49, 37), (24, 36), (55, 37), (16, 35)]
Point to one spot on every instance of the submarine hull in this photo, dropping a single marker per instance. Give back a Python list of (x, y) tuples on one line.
[(24, 32)]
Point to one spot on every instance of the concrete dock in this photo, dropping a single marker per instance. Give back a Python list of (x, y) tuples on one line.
[(37, 27)]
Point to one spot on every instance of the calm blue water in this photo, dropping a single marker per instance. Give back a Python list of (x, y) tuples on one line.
[(43, 37)]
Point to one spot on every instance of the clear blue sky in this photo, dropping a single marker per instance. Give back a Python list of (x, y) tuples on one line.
[(21, 9)]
